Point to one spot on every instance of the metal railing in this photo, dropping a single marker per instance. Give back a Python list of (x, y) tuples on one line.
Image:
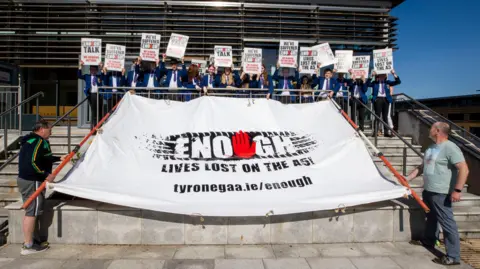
[(378, 120), (13, 109), (407, 103), (9, 97)]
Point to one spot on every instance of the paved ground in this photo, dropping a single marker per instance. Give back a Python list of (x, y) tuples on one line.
[(331, 256)]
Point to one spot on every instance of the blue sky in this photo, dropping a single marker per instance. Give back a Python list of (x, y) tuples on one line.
[(439, 47)]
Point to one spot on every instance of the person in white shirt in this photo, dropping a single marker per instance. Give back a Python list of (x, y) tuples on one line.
[(174, 76), (92, 82), (210, 81), (381, 96)]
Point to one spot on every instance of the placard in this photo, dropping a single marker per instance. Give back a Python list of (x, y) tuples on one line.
[(383, 61), (114, 57), (177, 46), (325, 54), (308, 60), (223, 56), (150, 47), (360, 66), (343, 60), (288, 53), (211, 59), (91, 51), (202, 65), (252, 61)]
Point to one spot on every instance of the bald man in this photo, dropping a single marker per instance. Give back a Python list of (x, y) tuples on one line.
[(444, 174)]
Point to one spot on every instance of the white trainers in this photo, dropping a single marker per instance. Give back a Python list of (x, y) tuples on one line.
[(33, 249)]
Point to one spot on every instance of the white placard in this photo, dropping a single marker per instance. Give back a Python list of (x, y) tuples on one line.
[(288, 53), (383, 61), (241, 161), (223, 56), (252, 63), (343, 59), (361, 66), (308, 60), (177, 46), (325, 54), (211, 59), (202, 65), (150, 47), (114, 57), (91, 51)]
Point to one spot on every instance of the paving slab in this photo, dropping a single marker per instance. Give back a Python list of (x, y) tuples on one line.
[(374, 262), (200, 252), (296, 251), (249, 252), (415, 262), (34, 264), (149, 252), (189, 264), (5, 261), (239, 264), (103, 252), (330, 263), (286, 263), (83, 264), (341, 250), (136, 264), (60, 252), (380, 249)]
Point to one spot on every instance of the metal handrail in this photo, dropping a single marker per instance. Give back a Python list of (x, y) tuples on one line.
[(21, 103), (436, 114), (69, 112), (388, 127)]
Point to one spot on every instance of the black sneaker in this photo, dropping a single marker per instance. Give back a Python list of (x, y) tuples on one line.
[(33, 249), (42, 244), (445, 260), (421, 243)]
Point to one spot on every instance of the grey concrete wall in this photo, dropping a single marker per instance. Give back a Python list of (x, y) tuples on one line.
[(409, 125), (89, 222)]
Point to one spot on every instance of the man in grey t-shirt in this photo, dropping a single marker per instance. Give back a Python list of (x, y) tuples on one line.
[(444, 173)]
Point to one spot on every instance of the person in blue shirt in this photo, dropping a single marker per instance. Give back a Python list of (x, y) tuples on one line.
[(112, 79), (285, 83), (358, 93), (326, 84), (193, 82), (263, 81), (339, 92), (152, 75), (93, 80), (134, 76), (382, 96), (174, 75), (210, 81)]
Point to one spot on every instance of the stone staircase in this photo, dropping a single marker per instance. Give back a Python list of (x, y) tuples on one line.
[(467, 211)]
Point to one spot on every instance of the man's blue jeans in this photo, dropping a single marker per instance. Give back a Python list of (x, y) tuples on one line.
[(441, 213)]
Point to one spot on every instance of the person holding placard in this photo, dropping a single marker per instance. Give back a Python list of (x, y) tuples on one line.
[(112, 79), (326, 84), (152, 75), (285, 83), (134, 76), (193, 81), (306, 91), (358, 93), (211, 80), (174, 76), (243, 83), (340, 89), (382, 96), (263, 81), (92, 82)]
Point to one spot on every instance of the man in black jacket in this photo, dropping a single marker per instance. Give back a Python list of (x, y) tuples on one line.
[(35, 166)]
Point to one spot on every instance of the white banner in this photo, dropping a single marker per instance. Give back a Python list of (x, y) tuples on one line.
[(287, 53), (325, 54), (252, 61), (343, 59), (223, 56), (247, 160), (150, 47), (114, 57), (308, 60), (91, 51), (177, 46), (202, 65), (383, 61), (361, 65)]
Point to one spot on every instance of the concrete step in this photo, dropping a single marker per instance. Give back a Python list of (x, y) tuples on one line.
[(381, 141), (397, 149), (64, 140), (468, 229), (398, 158), (398, 166), (467, 214), (8, 198)]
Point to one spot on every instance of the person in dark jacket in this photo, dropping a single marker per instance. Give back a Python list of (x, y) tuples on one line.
[(93, 81), (35, 166)]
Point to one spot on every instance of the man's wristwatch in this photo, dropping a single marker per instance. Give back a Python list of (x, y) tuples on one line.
[(457, 190)]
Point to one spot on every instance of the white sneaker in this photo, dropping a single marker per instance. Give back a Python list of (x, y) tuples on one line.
[(33, 249)]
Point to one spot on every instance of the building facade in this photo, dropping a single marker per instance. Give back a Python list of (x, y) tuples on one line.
[(43, 37)]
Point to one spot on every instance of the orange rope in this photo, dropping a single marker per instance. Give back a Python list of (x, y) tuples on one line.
[(68, 158)]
